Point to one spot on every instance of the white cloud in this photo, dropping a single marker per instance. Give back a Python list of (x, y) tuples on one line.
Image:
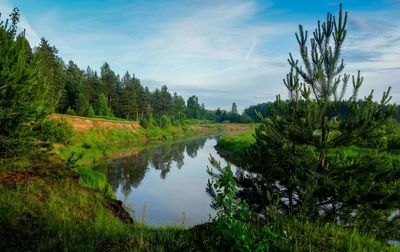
[(212, 46)]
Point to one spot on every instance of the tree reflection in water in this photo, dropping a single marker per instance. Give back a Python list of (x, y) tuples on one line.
[(128, 172)]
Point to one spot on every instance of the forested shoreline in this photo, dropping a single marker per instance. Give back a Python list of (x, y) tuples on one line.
[(107, 94)]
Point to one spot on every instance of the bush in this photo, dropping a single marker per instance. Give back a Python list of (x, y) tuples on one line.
[(70, 111), (90, 112), (234, 229), (147, 122), (165, 122), (52, 131)]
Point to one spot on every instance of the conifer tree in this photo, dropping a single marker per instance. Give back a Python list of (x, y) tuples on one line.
[(299, 159), (74, 84), (234, 109), (128, 99), (109, 83), (52, 68), (22, 92), (178, 107), (102, 107), (193, 107)]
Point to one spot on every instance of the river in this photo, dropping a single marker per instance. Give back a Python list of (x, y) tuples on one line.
[(165, 184)]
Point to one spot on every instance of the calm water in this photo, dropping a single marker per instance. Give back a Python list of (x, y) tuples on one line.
[(169, 181)]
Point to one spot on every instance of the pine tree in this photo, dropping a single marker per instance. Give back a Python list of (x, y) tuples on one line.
[(74, 86), (52, 68), (166, 101), (90, 112), (109, 83), (178, 107), (92, 86), (193, 107), (234, 109), (299, 158), (22, 92), (128, 99), (156, 105), (102, 107)]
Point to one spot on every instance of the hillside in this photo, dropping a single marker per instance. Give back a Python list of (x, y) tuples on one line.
[(82, 124)]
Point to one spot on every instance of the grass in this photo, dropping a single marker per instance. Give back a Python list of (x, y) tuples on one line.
[(56, 210), (53, 206), (45, 215), (65, 216), (306, 236), (234, 147), (99, 143), (96, 181)]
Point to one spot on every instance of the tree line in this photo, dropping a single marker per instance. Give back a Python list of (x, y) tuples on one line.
[(107, 94), (89, 93)]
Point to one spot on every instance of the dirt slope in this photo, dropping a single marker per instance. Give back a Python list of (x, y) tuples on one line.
[(82, 124)]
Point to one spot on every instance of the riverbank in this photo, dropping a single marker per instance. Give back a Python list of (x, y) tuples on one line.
[(96, 139), (51, 203), (234, 147)]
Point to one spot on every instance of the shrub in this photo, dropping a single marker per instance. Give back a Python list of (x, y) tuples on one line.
[(70, 111), (233, 227), (147, 122), (90, 112), (165, 122), (52, 131)]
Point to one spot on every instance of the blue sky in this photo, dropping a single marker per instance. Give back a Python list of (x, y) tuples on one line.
[(222, 51)]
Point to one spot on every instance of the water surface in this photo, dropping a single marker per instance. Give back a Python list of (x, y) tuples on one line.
[(165, 184)]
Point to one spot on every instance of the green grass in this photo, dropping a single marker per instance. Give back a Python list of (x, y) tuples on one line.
[(300, 236), (237, 144), (99, 143), (57, 210), (96, 181), (66, 216)]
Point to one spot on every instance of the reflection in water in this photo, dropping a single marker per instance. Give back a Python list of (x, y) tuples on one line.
[(169, 178)]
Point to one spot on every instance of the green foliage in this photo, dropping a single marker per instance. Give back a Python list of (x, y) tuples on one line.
[(82, 105), (233, 228), (237, 145), (70, 111), (310, 236), (161, 102), (23, 92), (193, 109), (90, 112), (147, 122), (253, 110), (178, 108), (234, 109), (51, 67), (102, 107), (62, 215), (96, 181), (165, 122), (299, 156), (53, 131), (128, 100)]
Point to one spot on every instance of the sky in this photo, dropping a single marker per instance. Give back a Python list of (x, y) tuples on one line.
[(221, 51)]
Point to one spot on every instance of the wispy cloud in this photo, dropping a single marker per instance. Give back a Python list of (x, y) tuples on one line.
[(223, 51)]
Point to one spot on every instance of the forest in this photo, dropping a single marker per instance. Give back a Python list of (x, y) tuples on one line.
[(315, 170)]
